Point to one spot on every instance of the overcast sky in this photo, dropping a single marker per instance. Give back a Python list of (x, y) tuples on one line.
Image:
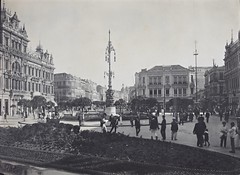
[(144, 33)]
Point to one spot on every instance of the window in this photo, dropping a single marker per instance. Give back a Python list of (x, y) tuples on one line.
[(6, 64), (39, 88), (180, 80), (175, 92), (167, 79), (150, 80), (143, 80), (159, 92), (6, 41), (180, 92), (25, 86), (29, 86), (25, 69), (150, 92), (155, 92), (155, 80), (159, 80), (36, 87), (29, 70), (36, 73), (13, 84), (32, 71), (175, 80), (12, 44), (191, 91), (6, 84), (33, 87), (167, 92), (143, 91)]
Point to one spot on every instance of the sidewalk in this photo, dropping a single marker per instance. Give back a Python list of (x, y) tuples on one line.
[(17, 120)]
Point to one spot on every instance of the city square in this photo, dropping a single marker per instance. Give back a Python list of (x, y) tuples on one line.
[(119, 87)]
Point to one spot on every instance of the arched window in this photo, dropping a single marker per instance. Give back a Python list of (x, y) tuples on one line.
[(16, 67)]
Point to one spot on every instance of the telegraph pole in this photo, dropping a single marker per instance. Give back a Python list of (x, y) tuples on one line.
[(196, 54)]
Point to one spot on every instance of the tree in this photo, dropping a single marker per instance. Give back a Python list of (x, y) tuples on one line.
[(24, 103), (121, 104), (82, 102), (99, 103), (38, 101), (179, 103), (151, 102)]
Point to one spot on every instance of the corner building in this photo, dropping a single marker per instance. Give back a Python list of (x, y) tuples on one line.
[(23, 74), (232, 72), (170, 81)]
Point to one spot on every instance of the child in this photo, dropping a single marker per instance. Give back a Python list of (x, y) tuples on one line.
[(206, 138)]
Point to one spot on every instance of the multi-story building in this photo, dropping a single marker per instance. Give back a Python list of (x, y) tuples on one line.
[(68, 87), (232, 72), (165, 82), (23, 74), (214, 85), (200, 76)]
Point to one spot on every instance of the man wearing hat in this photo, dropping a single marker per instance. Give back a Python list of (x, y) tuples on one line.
[(154, 126)]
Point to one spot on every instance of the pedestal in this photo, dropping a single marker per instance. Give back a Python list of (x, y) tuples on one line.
[(110, 110)]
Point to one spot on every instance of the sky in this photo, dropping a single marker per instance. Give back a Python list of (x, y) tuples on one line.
[(144, 33)]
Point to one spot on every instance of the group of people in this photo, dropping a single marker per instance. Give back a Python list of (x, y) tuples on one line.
[(201, 132), (200, 128), (232, 134)]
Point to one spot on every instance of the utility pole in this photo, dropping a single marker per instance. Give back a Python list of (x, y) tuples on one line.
[(196, 54)]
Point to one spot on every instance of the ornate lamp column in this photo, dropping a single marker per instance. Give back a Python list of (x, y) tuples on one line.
[(109, 93)]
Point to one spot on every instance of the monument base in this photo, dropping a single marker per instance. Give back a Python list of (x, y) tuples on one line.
[(110, 110)]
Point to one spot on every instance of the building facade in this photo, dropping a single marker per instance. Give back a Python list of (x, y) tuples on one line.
[(232, 72), (68, 87), (215, 85), (23, 74), (165, 83), (200, 76)]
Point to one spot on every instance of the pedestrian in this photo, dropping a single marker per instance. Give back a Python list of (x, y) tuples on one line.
[(103, 123), (191, 117), (163, 128), (174, 129), (131, 121), (223, 134), (232, 133), (221, 114), (79, 118), (5, 117), (137, 125), (181, 117), (199, 129), (154, 126), (226, 116), (114, 124), (207, 115), (206, 138)]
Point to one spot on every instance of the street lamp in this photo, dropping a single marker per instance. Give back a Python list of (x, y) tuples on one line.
[(109, 93)]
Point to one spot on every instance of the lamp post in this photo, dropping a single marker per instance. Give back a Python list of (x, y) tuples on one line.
[(196, 54), (109, 93)]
